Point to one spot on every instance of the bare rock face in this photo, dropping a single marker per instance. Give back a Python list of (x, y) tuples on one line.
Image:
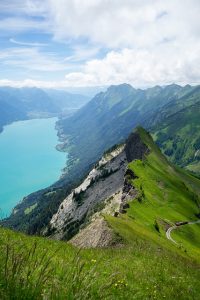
[(106, 189), (106, 179)]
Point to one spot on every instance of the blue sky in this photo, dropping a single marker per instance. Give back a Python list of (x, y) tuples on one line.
[(69, 43)]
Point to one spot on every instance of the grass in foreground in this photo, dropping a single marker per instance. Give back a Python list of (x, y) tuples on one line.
[(38, 268)]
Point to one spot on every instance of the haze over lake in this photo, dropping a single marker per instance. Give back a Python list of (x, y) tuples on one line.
[(28, 160)]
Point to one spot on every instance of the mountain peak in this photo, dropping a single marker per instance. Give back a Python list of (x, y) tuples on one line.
[(173, 86), (135, 147), (121, 87)]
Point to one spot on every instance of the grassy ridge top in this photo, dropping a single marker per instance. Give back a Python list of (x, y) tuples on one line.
[(166, 195)]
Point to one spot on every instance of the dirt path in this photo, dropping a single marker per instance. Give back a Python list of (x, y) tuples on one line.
[(169, 230)]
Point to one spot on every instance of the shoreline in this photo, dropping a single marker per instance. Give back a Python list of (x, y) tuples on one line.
[(62, 147)]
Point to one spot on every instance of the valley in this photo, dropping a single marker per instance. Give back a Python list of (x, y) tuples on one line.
[(107, 120)]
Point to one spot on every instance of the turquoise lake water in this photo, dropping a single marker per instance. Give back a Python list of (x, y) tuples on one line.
[(28, 160)]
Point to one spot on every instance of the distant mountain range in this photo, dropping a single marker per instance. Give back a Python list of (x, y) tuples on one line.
[(110, 116), (26, 103)]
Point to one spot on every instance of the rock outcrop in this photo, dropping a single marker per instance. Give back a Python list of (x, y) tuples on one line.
[(135, 148), (107, 189), (96, 235), (105, 179)]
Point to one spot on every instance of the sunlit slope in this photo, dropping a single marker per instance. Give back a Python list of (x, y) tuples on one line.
[(166, 195), (38, 268)]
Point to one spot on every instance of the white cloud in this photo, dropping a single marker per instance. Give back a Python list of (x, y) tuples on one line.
[(32, 59), (82, 53), (19, 7), (141, 68), (21, 43), (20, 24), (23, 15), (32, 83), (125, 23), (150, 41), (147, 41)]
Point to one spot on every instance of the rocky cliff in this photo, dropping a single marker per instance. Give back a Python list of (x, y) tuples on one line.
[(106, 190)]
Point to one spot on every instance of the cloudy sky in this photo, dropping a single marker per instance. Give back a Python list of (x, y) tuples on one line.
[(72, 43)]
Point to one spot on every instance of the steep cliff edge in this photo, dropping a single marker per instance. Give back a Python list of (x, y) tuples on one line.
[(106, 189), (132, 190)]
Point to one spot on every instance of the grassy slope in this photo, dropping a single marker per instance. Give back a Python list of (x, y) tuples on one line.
[(148, 267), (141, 270), (166, 195)]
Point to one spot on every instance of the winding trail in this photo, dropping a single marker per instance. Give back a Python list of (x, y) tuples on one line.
[(170, 229)]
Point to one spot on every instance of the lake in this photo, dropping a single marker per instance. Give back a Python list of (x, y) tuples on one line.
[(29, 160)]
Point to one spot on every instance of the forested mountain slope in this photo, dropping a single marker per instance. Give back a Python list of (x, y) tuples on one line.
[(179, 137), (109, 118)]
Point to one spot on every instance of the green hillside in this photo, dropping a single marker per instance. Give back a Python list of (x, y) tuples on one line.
[(38, 268), (166, 195), (179, 137), (145, 265)]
